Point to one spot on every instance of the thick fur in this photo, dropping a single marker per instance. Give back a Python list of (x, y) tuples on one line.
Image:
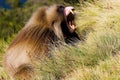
[(45, 27)]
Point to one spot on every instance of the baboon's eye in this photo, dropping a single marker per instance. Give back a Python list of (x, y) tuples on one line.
[(60, 9)]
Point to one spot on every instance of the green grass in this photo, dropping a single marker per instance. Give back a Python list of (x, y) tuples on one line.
[(95, 58)]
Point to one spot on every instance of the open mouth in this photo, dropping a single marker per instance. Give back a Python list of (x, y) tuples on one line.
[(70, 18)]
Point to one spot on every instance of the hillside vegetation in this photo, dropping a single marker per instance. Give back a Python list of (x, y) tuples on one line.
[(97, 57)]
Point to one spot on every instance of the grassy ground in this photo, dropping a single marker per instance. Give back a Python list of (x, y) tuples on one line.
[(97, 57)]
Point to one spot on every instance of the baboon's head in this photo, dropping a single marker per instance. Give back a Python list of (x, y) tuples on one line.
[(58, 18), (62, 19)]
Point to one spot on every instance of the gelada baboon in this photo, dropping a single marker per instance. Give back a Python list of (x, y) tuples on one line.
[(47, 26)]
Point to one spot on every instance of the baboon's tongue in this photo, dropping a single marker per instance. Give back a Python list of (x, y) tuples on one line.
[(71, 24)]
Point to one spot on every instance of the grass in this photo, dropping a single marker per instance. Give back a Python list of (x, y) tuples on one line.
[(95, 58), (105, 70)]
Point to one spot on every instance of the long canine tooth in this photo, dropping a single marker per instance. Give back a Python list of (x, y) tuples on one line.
[(71, 11)]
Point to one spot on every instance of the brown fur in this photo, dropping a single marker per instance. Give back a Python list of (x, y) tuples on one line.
[(32, 42)]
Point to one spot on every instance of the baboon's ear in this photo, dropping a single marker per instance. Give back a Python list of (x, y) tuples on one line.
[(57, 30)]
